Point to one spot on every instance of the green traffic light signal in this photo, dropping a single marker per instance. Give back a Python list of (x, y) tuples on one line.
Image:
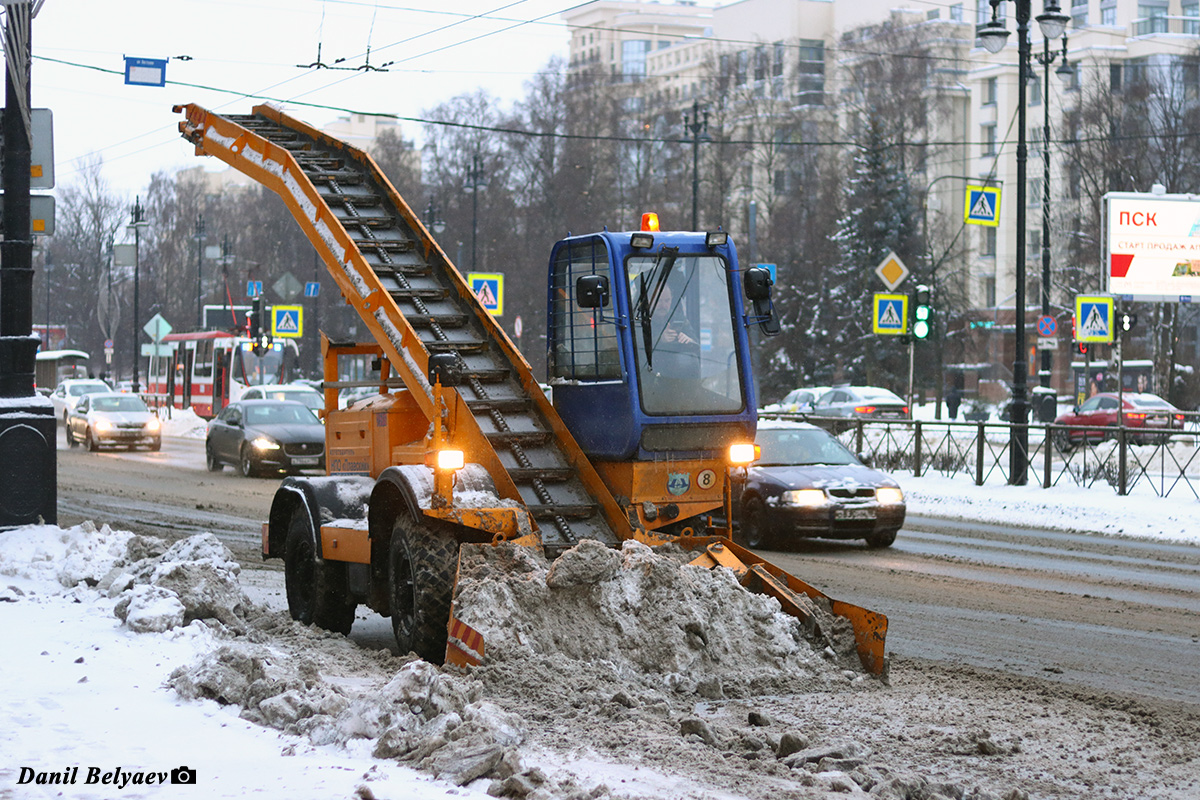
[(922, 312)]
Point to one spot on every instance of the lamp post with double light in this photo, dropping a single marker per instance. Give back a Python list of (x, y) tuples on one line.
[(476, 181), (1066, 72), (993, 35), (698, 128)]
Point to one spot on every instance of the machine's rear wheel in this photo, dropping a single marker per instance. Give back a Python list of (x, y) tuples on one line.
[(421, 569), (210, 460), (317, 593)]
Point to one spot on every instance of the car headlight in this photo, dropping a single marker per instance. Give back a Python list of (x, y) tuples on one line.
[(153, 425), (889, 496), (102, 426), (263, 443), (808, 498)]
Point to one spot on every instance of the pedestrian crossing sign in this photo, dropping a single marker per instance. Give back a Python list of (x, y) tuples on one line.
[(890, 316), (983, 206), (1093, 319), (488, 287), (287, 321)]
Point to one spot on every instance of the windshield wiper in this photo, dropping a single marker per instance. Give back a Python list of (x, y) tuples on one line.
[(647, 301)]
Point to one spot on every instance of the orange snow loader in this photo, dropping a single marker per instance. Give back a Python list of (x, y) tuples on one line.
[(653, 402)]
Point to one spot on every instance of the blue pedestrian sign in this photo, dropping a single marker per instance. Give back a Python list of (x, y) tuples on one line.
[(312, 289), (253, 289), (983, 206), (488, 287), (890, 316), (1094, 319), (287, 321)]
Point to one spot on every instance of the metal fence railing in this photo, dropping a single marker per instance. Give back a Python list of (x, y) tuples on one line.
[(1125, 459)]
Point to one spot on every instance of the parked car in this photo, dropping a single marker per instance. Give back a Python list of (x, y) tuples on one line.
[(797, 401), (1150, 418), (807, 484), (67, 394), (288, 391), (113, 420), (261, 435), (861, 402)]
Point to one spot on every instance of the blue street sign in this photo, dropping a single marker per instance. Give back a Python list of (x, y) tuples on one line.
[(1094, 319), (253, 289), (145, 71), (983, 206), (312, 289)]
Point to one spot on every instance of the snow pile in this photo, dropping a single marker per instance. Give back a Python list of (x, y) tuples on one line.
[(71, 556), (183, 423), (196, 578), (644, 616)]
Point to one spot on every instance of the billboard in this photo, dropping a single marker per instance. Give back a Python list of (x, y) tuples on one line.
[(1152, 246)]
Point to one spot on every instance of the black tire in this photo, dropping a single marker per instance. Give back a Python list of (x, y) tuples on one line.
[(317, 590), (752, 524), (246, 463), (421, 569), (882, 539), (71, 440), (156, 445), (210, 460), (90, 441)]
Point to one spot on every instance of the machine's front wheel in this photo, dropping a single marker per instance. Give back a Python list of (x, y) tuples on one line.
[(211, 460), (877, 541), (751, 531), (317, 593), (421, 567)]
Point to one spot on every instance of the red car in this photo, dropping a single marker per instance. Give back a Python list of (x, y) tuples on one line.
[(1149, 418)]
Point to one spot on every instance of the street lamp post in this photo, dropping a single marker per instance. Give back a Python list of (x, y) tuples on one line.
[(199, 236), (433, 217), (993, 35), (475, 182), (698, 127), (137, 225), (1064, 71)]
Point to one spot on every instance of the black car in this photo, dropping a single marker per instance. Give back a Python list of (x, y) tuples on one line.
[(262, 435), (807, 484)]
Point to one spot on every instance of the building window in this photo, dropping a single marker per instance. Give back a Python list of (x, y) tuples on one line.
[(1191, 25), (988, 136), (989, 292), (810, 79), (988, 246), (1035, 192), (742, 68), (1152, 18), (1079, 13), (633, 60), (1108, 16), (1035, 91), (989, 91), (1114, 77), (760, 63), (777, 64), (956, 14)]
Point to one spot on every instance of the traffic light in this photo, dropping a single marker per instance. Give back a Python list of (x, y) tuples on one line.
[(1126, 321), (1081, 345), (922, 312), (256, 329)]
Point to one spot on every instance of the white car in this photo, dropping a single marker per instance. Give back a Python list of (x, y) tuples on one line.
[(797, 401), (68, 392), (288, 391), (112, 418)]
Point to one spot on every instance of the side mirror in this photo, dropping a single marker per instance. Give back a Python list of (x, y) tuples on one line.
[(591, 291), (757, 285)]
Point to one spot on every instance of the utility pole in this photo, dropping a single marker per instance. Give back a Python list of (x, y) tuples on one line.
[(199, 236), (699, 130)]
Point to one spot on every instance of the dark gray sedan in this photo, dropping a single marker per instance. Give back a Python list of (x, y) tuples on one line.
[(807, 484), (261, 436)]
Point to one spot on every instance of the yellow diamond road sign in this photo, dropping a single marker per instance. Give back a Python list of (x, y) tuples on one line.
[(892, 271)]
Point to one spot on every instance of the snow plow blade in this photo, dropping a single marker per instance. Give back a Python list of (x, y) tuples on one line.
[(795, 596)]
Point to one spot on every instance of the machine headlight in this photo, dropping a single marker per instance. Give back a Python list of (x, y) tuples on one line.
[(889, 496), (102, 425), (807, 498), (153, 425), (450, 459), (742, 453), (263, 443)]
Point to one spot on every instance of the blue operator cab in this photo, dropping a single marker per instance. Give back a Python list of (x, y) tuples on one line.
[(649, 354)]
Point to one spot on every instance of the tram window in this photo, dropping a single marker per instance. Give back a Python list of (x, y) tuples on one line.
[(204, 357)]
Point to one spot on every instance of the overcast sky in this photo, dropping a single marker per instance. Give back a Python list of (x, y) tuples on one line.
[(228, 55)]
